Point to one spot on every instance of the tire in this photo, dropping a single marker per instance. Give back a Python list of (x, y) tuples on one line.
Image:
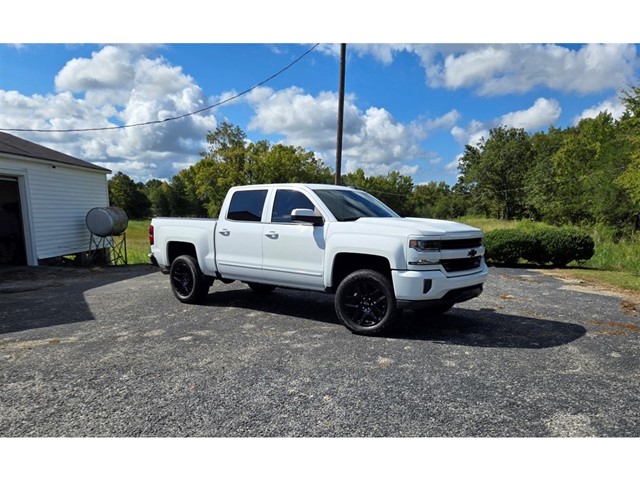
[(261, 288), (365, 302), (188, 283)]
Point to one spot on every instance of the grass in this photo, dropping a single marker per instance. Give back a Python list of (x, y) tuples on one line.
[(138, 242), (616, 261), (488, 224)]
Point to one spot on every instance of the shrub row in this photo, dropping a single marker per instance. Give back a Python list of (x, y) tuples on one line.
[(541, 246)]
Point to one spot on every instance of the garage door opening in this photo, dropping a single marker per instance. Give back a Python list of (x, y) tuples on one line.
[(12, 245)]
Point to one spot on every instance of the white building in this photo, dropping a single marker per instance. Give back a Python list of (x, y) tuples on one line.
[(45, 196)]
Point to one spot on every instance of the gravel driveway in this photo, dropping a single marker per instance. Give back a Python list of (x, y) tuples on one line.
[(110, 352)]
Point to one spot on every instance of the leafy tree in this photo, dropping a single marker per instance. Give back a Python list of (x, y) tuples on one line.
[(129, 195), (630, 98), (159, 194), (184, 200), (496, 169), (629, 131), (232, 160), (585, 168), (540, 186), (436, 200), (227, 144), (283, 164)]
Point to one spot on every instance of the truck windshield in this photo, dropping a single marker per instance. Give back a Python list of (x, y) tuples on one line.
[(350, 205)]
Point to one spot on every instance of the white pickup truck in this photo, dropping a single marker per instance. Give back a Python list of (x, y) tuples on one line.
[(325, 238)]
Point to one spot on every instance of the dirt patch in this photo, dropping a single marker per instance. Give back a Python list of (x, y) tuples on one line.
[(631, 308), (590, 286), (616, 328)]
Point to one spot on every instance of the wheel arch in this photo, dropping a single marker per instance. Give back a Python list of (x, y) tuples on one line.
[(175, 249), (345, 263)]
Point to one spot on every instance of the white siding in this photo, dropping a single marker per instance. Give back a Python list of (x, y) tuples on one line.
[(58, 202)]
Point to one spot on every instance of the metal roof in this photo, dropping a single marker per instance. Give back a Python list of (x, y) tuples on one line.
[(13, 145)]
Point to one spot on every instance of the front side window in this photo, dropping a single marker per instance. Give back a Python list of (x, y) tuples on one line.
[(285, 202), (247, 205)]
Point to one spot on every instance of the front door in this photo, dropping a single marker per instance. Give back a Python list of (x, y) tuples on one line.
[(292, 253)]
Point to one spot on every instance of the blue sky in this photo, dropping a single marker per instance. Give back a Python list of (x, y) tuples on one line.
[(410, 107)]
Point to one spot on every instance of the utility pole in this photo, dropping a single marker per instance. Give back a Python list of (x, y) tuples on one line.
[(343, 54)]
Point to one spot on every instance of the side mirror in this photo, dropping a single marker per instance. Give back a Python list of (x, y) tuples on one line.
[(306, 215)]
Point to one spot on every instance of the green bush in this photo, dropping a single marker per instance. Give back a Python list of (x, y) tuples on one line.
[(541, 246), (507, 246), (560, 246)]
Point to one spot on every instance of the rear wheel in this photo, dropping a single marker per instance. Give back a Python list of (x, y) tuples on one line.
[(188, 283), (365, 302)]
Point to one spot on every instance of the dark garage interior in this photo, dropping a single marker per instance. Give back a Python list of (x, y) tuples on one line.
[(12, 249)]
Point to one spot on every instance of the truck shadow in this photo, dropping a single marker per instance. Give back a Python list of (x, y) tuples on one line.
[(460, 326), (487, 328), (41, 297)]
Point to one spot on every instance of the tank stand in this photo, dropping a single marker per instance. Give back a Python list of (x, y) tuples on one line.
[(111, 250)]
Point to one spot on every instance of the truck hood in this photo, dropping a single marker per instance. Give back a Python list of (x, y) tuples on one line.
[(424, 226)]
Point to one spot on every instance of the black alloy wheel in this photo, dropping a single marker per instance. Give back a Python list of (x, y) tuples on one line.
[(187, 281), (365, 302)]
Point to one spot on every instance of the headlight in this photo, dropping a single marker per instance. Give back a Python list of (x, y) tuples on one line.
[(425, 245), (423, 252)]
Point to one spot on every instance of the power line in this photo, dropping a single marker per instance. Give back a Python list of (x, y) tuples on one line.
[(155, 122)]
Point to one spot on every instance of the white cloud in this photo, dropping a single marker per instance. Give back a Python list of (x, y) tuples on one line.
[(542, 114), (383, 52), (501, 69), (372, 140), (611, 105), (452, 167), (475, 67), (301, 118), (445, 121), (118, 85), (110, 69), (471, 135)]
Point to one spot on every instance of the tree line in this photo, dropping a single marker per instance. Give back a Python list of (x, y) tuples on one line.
[(582, 175)]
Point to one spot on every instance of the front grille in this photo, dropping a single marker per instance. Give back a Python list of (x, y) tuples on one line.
[(460, 264), (460, 243)]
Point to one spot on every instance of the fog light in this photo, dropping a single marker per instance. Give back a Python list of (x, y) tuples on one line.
[(427, 286)]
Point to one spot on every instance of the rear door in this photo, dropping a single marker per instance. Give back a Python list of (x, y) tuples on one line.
[(238, 237)]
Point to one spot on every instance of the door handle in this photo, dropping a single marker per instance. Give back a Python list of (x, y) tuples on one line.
[(272, 235), (224, 232)]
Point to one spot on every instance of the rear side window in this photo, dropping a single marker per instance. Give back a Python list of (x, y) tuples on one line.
[(247, 205)]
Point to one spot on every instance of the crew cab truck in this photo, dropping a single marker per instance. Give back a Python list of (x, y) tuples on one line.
[(325, 238)]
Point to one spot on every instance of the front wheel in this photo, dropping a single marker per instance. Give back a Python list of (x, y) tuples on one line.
[(365, 302), (188, 283)]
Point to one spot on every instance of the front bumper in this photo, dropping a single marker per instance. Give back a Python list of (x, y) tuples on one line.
[(413, 287)]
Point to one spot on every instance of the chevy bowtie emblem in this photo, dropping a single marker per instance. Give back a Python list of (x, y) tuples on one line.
[(472, 252)]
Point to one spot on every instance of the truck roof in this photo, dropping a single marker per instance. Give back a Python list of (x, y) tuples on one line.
[(312, 186)]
